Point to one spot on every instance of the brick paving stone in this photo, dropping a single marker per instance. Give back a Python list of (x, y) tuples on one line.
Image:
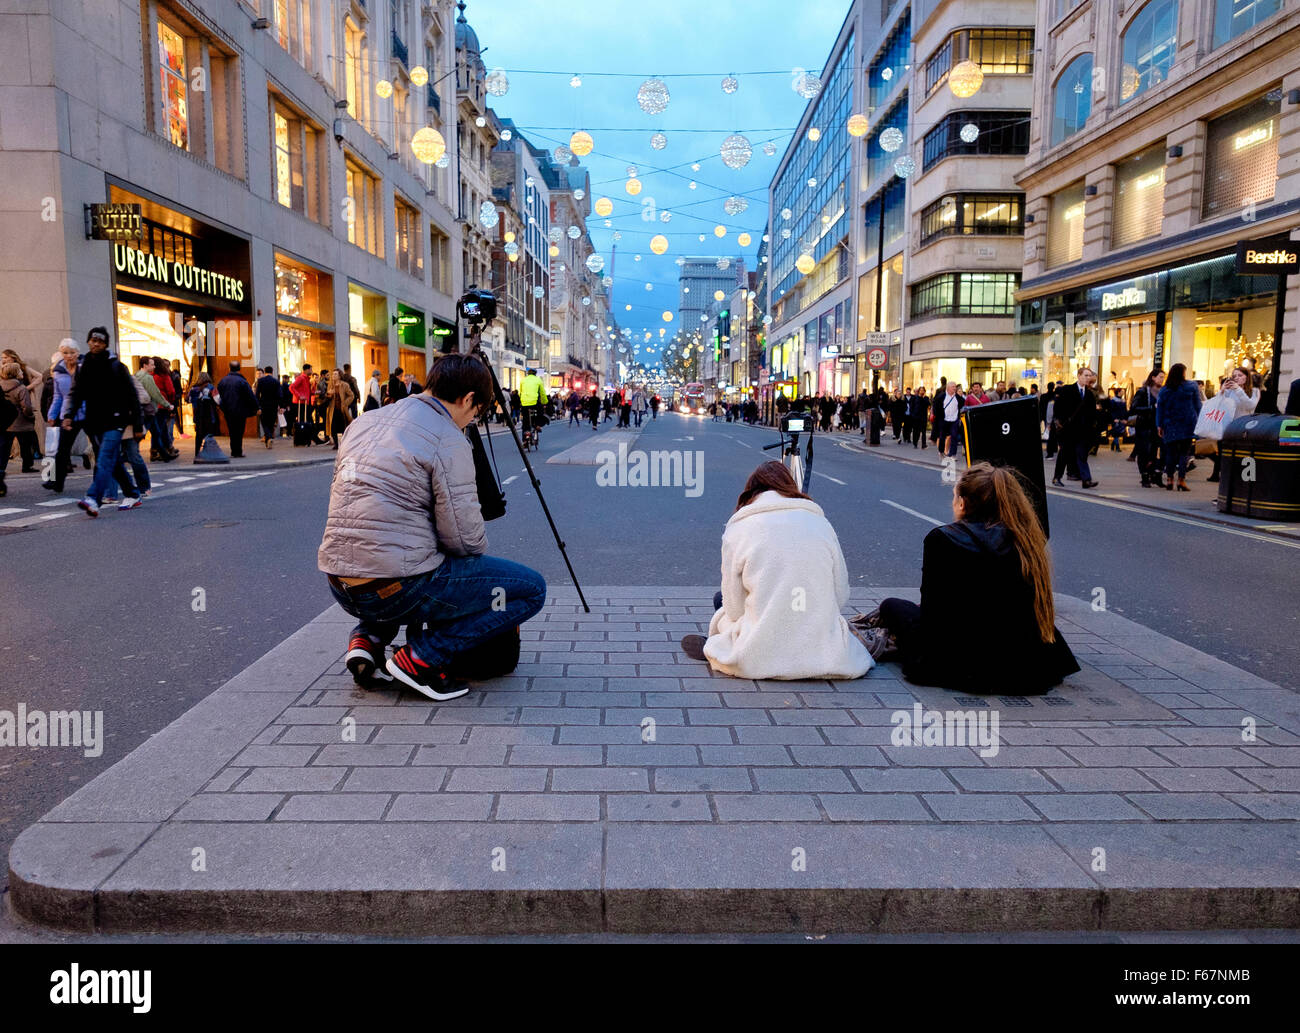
[(652, 755), (334, 807), (766, 807), (229, 807), (781, 735), (1270, 806), (454, 755), (559, 716), (932, 756), (566, 685), (324, 734), (313, 715), (441, 807), (417, 715), (857, 735), (1029, 756), (657, 807), (526, 699), (497, 780), (602, 699), (505, 735), (395, 780), (600, 780), (902, 780), (1276, 756), (837, 700), (1209, 736), (224, 779), (748, 756), (1274, 780), (683, 699), (275, 756), (367, 754), (803, 780), (1001, 780), (1193, 780), (625, 734), (1100, 780), (838, 756), (979, 807), (876, 807), (578, 670), (1144, 736), (690, 684), (661, 716), (812, 717), (1208, 757), (728, 716), (547, 807), (292, 780), (556, 756), (447, 715), (703, 780), (1085, 807), (1112, 757), (1187, 806)]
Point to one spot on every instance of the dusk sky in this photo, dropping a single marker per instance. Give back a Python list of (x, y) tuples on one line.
[(614, 46)]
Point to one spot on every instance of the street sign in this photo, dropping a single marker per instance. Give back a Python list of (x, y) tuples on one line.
[(1273, 256), (877, 358), (876, 339)]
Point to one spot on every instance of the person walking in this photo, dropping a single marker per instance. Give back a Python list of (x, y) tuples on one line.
[(396, 386), (655, 402), (237, 403), (950, 409), (267, 393), (917, 416), (1075, 418), (62, 374), (173, 374), (338, 407), (1146, 442), (204, 408), (157, 422), (304, 431), (104, 387), (593, 409), (351, 381), (639, 405), (374, 398), (19, 400), (1176, 410)]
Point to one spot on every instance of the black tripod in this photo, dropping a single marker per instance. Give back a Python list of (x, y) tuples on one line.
[(475, 339)]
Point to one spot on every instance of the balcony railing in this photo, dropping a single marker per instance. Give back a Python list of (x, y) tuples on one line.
[(399, 48)]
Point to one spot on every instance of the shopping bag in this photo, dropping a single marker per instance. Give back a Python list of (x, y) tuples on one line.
[(51, 451), (1215, 416), (281, 422)]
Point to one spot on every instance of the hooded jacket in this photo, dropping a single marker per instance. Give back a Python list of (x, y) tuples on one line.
[(975, 603), (784, 582), (403, 495), (106, 390)]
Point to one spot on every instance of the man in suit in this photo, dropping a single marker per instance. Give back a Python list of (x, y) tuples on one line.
[(1075, 419), (238, 403)]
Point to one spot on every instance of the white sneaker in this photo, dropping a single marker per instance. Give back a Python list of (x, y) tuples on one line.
[(134, 503), (89, 505)]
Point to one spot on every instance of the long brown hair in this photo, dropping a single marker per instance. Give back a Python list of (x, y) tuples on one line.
[(993, 495), (770, 476)]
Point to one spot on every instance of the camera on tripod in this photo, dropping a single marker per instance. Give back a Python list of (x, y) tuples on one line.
[(795, 422), (477, 307)]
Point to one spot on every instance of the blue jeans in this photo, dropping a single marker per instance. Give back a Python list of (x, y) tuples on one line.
[(109, 467), (159, 427), (446, 611), (131, 456)]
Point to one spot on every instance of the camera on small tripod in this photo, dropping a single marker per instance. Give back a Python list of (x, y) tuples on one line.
[(477, 307)]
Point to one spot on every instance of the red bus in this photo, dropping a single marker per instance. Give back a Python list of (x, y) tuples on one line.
[(692, 399)]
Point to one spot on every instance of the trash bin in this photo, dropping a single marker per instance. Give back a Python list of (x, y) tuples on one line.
[(1259, 472), (1009, 433)]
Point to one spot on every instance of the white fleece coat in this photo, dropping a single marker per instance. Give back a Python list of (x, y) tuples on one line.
[(783, 583)]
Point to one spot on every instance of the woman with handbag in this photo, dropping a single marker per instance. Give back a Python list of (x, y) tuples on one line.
[(1176, 410), (338, 405), (1237, 390), (1142, 417), (204, 406)]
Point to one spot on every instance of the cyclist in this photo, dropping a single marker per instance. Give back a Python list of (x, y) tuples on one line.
[(532, 396)]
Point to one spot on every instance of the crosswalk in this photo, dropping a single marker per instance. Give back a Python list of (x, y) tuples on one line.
[(66, 505)]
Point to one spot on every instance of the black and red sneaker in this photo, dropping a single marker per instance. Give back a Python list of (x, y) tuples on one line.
[(365, 659), (433, 682)]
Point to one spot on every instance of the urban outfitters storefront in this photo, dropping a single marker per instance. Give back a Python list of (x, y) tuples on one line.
[(1200, 313)]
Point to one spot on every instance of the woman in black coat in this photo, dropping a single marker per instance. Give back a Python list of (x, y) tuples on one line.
[(986, 590)]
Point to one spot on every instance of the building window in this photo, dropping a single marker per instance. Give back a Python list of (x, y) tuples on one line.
[(364, 215), (965, 294), (175, 85), (440, 259), (886, 71), (1065, 226), (1060, 8), (1072, 98), (356, 71), (409, 247), (996, 51), (1139, 205), (292, 20), (1241, 157), (298, 162), (1233, 17), (879, 159), (1000, 132), (970, 214), (1149, 44)]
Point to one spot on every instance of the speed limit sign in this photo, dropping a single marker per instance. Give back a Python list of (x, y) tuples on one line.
[(877, 358)]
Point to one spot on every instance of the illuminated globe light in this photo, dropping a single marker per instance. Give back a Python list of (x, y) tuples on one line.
[(626, 308), (730, 84), (965, 79), (581, 143), (579, 194), (744, 240), (668, 317), (719, 231), (636, 258), (812, 182), (595, 263), (695, 166), (443, 162), (562, 154), (509, 238), (553, 251), (718, 295), (530, 182), (384, 88), (539, 291), (692, 184), (608, 224), (891, 139), (734, 205), (480, 121), (419, 75), (507, 135), (487, 215), (585, 302), (807, 85), (513, 256), (659, 244), (805, 263), (617, 235), (556, 235), (604, 206), (857, 125), (767, 238), (724, 264), (904, 166), (786, 213), (633, 187), (649, 286), (608, 281), (652, 96), (886, 74), (576, 81), (814, 134), (665, 216), (769, 148), (574, 232), (970, 132), (825, 219), (428, 145), (659, 141), (497, 83), (681, 261), (736, 151)]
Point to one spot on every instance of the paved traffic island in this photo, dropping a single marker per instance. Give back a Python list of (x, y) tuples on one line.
[(612, 784)]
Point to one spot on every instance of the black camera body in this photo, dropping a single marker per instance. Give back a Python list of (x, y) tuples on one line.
[(477, 306), (796, 423)]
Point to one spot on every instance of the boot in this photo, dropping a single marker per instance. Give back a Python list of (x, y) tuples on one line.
[(1182, 485)]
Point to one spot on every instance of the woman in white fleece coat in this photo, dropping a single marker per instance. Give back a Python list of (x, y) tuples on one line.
[(783, 583)]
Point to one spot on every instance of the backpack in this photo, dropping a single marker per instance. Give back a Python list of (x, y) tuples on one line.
[(493, 657)]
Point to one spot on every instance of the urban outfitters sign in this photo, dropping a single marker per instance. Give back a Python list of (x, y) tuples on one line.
[(133, 262)]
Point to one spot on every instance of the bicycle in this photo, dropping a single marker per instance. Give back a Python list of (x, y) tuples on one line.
[(794, 424)]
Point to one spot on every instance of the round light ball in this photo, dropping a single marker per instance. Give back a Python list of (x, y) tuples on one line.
[(965, 79), (428, 145), (659, 244), (633, 187), (581, 143), (384, 88), (805, 263), (857, 125)]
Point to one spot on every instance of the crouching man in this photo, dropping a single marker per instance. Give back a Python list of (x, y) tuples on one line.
[(404, 542)]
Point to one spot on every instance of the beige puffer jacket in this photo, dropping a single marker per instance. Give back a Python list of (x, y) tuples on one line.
[(403, 494)]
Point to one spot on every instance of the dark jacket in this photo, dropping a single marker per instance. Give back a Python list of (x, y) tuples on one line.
[(268, 393), (106, 389), (959, 623), (396, 389), (1076, 412), (918, 406), (1177, 409), (1143, 408), (1293, 399), (237, 399)]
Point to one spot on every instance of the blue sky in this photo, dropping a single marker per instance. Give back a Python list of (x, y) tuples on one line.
[(707, 40)]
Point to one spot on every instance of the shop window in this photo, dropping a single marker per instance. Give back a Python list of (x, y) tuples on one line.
[(175, 85), (292, 23), (440, 260), (409, 247), (1072, 98), (1241, 157), (197, 83), (364, 216), (996, 51), (1233, 17), (1065, 226), (970, 214), (965, 294), (1139, 205), (1000, 132), (1148, 45)]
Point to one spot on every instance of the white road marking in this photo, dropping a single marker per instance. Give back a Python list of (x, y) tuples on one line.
[(213, 474), (512, 477), (53, 516), (62, 502), (13, 509), (182, 477), (830, 478), (743, 445), (912, 512)]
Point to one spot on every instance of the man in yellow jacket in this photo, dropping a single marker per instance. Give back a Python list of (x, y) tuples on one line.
[(532, 395)]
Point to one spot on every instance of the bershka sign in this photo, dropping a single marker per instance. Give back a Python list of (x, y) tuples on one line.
[(156, 269), (1276, 256)]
